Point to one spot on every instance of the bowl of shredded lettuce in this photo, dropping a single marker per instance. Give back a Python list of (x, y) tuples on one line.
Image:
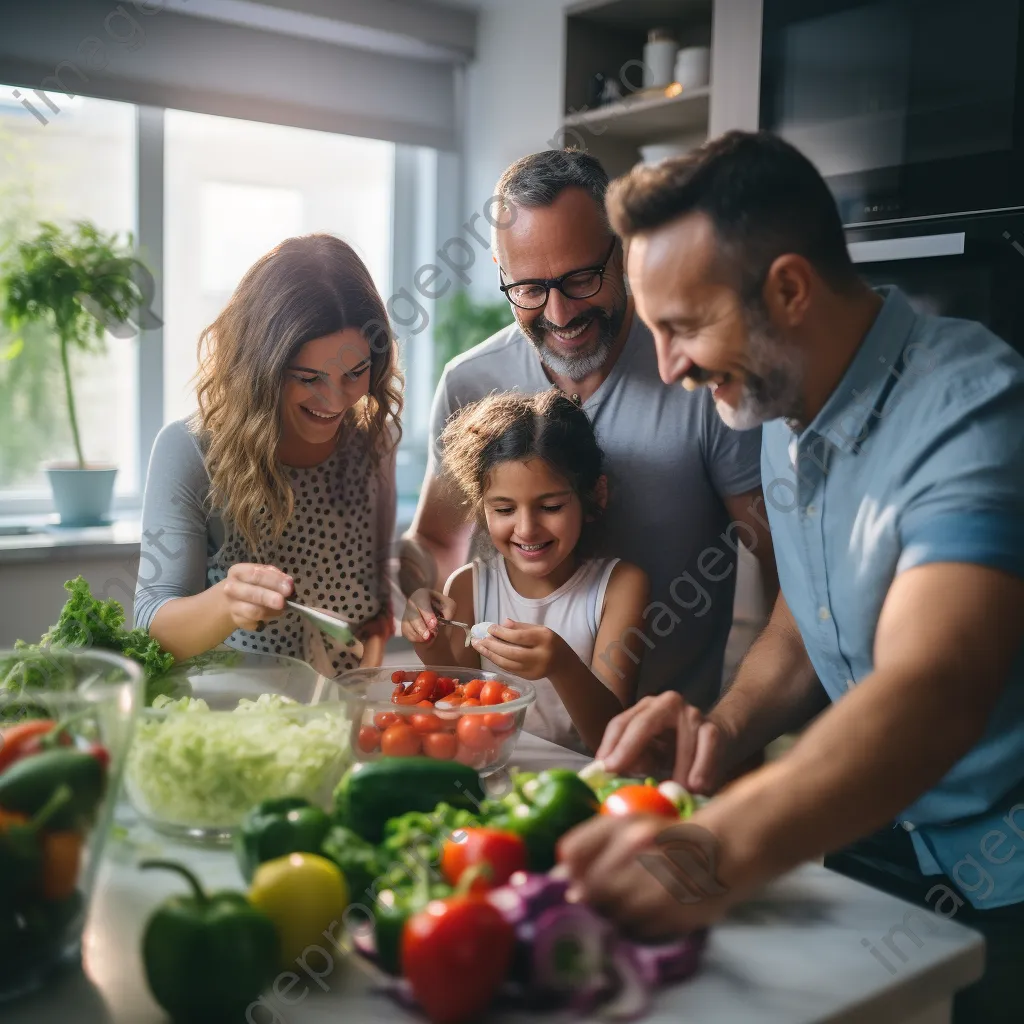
[(231, 730)]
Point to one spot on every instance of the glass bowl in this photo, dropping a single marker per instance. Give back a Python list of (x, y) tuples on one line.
[(230, 730), (58, 785), (482, 737)]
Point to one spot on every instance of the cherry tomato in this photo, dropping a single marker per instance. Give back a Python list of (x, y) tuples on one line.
[(473, 688), (440, 745), (473, 733), (638, 800), (471, 702), (508, 695), (400, 740), (491, 691), (369, 739), (427, 723), (503, 852), (459, 691), (445, 686), (385, 718), (498, 721), (474, 758)]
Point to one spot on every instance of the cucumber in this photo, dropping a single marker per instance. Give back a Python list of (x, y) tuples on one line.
[(373, 792)]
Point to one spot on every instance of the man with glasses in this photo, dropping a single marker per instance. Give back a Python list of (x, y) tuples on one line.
[(683, 488)]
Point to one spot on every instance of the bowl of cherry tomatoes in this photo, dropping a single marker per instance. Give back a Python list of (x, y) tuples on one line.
[(445, 713)]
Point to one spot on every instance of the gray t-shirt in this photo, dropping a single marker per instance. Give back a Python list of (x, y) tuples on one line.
[(335, 547), (670, 461)]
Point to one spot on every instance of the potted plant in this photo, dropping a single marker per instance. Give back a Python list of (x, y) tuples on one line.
[(79, 284), (464, 323)]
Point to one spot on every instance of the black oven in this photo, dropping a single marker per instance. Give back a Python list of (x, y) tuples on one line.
[(910, 108), (969, 267)]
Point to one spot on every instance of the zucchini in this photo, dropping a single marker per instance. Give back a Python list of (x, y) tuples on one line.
[(372, 792)]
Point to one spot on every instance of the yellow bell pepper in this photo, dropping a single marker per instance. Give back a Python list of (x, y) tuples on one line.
[(304, 894)]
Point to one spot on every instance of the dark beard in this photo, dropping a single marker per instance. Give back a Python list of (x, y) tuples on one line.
[(581, 365)]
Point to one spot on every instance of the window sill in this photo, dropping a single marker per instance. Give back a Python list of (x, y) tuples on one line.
[(40, 539)]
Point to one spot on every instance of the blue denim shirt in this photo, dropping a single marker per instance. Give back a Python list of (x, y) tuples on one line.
[(917, 457)]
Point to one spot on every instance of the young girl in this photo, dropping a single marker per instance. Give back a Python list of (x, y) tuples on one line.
[(530, 467), (282, 483)]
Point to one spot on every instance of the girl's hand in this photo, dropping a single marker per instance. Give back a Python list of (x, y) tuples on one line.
[(255, 594), (530, 652), (419, 620)]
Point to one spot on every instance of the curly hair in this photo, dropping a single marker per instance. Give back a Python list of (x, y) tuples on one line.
[(513, 427), (301, 290)]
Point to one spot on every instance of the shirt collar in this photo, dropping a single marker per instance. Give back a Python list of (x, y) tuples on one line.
[(845, 417)]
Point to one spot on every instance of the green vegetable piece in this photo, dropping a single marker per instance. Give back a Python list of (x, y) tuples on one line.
[(21, 855), (390, 912), (373, 792), (278, 827), (27, 785), (555, 802), (207, 957), (357, 859)]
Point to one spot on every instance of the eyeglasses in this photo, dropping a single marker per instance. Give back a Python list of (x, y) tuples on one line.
[(577, 284)]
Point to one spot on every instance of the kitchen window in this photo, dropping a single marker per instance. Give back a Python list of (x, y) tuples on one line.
[(204, 197)]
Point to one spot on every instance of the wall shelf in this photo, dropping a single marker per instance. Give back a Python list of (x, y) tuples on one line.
[(647, 119)]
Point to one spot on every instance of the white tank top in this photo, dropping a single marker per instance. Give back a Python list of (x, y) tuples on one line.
[(573, 611)]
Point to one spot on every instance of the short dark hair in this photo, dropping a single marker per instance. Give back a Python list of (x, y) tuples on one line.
[(513, 427), (762, 195), (539, 179)]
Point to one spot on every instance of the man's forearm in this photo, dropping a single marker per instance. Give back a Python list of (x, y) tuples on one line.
[(775, 691)]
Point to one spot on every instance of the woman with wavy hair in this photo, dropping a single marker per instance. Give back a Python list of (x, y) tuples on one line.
[(283, 482)]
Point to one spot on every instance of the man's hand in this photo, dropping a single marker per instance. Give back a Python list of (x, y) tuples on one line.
[(663, 731), (655, 880), (530, 652)]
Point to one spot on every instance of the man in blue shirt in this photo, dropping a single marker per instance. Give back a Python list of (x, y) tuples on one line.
[(893, 474)]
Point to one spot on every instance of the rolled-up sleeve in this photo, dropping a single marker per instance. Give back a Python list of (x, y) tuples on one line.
[(173, 553), (966, 500)]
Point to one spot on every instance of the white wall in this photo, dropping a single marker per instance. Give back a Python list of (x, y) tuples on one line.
[(513, 102)]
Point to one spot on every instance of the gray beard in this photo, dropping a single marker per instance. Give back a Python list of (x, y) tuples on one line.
[(578, 367), (773, 389)]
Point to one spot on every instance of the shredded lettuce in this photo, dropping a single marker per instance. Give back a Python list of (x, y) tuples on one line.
[(192, 766)]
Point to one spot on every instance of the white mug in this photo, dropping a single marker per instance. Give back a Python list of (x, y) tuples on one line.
[(693, 67)]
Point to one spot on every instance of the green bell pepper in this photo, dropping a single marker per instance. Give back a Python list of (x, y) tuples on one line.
[(278, 827), (27, 785), (392, 909), (357, 859), (543, 809), (207, 957)]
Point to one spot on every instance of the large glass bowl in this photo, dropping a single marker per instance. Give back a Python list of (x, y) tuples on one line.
[(482, 737), (58, 786), (231, 730)]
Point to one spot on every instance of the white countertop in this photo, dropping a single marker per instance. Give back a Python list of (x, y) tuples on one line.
[(795, 955)]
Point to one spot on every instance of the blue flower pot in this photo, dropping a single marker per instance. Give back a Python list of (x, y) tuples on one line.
[(82, 497)]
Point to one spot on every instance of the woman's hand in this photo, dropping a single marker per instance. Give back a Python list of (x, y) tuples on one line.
[(255, 595), (419, 620), (528, 651)]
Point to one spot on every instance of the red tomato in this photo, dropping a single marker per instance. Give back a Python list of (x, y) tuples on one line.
[(473, 688), (503, 852), (385, 718), (498, 721), (369, 739), (491, 691), (508, 695), (470, 756), (400, 740), (456, 953), (440, 745), (471, 702), (445, 686), (473, 733), (638, 800), (427, 723)]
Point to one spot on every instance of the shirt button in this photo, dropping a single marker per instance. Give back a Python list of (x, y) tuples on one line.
[(849, 684), (909, 826), (811, 510), (824, 614)]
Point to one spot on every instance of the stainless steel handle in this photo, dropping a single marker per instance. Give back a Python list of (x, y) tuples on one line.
[(912, 248)]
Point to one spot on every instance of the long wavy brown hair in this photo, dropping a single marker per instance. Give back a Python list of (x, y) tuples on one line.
[(302, 289)]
